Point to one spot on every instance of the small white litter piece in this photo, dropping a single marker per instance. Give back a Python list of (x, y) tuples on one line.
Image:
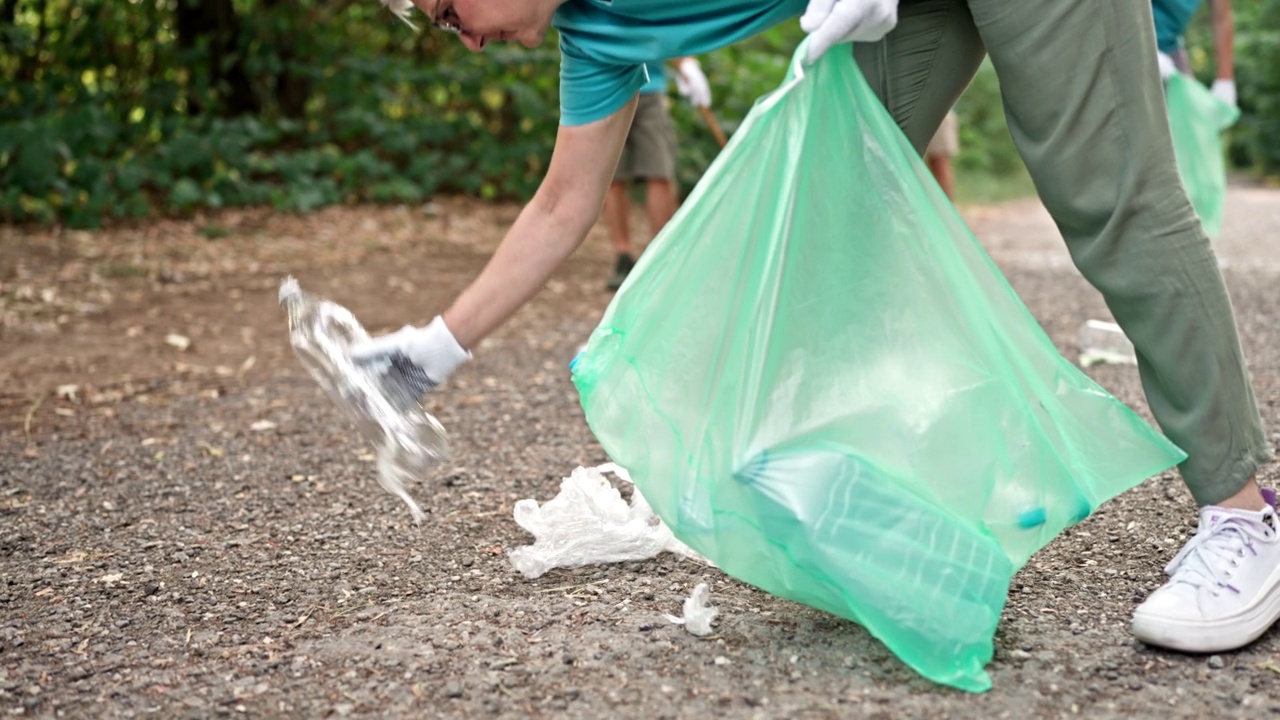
[(1103, 342), (698, 612), (589, 523)]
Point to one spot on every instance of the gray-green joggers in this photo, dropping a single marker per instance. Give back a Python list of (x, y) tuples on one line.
[(1086, 110)]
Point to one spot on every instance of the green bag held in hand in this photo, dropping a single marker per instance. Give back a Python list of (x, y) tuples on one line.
[(820, 381), (1197, 119)]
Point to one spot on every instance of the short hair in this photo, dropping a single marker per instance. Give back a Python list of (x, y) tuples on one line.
[(401, 9)]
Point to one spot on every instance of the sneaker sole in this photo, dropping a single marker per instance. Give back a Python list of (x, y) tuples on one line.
[(1222, 635)]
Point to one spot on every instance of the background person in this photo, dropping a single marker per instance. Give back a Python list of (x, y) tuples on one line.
[(1171, 20), (944, 146), (650, 155)]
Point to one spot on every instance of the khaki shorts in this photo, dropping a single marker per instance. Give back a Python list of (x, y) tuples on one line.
[(650, 151), (946, 142)]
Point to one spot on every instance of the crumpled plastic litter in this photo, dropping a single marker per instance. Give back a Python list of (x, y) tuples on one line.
[(698, 612), (589, 523), (1103, 342), (407, 438)]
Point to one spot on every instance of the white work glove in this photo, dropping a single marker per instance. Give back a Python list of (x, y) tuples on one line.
[(831, 22), (1224, 90), (424, 356), (1165, 62), (691, 83)]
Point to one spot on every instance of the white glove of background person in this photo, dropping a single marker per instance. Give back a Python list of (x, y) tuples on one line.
[(425, 355), (831, 22), (1165, 62), (1224, 90), (692, 83)]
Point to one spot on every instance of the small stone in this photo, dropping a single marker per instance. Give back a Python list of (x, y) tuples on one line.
[(453, 690), (1216, 662)]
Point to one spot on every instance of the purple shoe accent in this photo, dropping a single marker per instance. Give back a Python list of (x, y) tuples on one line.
[(1233, 588), (1270, 496)]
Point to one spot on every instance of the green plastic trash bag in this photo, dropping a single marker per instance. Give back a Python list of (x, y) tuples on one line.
[(821, 382), (1197, 119)]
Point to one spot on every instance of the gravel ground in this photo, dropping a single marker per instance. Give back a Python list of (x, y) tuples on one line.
[(187, 530)]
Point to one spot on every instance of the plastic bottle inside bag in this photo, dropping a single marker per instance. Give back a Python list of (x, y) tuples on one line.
[(384, 406), (848, 533)]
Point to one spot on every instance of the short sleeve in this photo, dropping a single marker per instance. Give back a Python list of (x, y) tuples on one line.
[(590, 89)]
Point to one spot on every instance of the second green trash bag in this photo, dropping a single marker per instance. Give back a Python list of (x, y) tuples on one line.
[(821, 382), (1196, 120)]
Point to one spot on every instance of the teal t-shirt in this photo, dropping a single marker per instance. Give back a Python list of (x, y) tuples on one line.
[(657, 79), (1172, 18), (604, 45)]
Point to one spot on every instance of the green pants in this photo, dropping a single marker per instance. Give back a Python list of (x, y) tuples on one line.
[(1086, 110)]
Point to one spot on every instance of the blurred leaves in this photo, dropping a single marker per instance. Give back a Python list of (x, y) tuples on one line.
[(126, 109), (1255, 140)]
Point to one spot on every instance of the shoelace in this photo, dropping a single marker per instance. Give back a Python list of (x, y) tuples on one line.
[(1210, 556)]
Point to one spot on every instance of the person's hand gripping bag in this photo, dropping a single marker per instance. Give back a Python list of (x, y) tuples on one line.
[(821, 382), (1196, 120)]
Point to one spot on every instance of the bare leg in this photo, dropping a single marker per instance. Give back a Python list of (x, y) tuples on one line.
[(616, 209), (940, 166), (660, 203), (1248, 498)]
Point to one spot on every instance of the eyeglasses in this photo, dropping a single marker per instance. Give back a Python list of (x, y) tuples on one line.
[(447, 19)]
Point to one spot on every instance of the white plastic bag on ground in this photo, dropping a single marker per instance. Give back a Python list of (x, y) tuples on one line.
[(589, 523), (698, 612)]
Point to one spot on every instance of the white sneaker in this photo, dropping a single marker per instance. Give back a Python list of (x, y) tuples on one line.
[(1224, 586)]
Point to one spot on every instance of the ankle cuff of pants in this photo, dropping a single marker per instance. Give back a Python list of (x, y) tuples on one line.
[(1229, 483)]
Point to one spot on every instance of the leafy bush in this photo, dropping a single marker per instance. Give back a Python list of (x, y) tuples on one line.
[(122, 110)]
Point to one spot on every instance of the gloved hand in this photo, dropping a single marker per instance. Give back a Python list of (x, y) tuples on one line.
[(424, 356), (1224, 90), (691, 83), (830, 22), (1167, 67)]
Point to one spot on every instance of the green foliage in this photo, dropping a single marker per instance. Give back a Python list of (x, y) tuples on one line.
[(986, 149), (128, 109), (1255, 140), (119, 110)]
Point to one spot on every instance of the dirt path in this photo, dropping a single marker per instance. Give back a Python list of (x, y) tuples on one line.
[(187, 530)]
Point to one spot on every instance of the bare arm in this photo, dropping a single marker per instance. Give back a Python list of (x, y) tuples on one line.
[(548, 230), (1224, 39)]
